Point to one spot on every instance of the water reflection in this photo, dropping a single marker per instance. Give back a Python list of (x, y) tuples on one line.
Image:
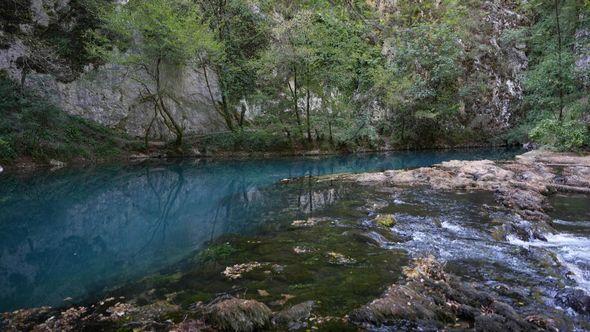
[(74, 232)]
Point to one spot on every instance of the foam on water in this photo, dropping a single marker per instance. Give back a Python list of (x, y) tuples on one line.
[(453, 227), (572, 251), (465, 243), (581, 224)]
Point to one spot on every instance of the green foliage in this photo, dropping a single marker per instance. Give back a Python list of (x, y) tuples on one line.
[(308, 77), (563, 136), (69, 41), (243, 34), (32, 127), (554, 90), (331, 75), (421, 84), (257, 140), (156, 39), (153, 30), (6, 151)]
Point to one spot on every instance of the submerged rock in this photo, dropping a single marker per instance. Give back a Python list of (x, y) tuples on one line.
[(528, 204), (294, 317), (104, 315), (235, 314), (20, 320), (189, 325), (385, 220), (300, 250), (308, 222), (521, 229), (520, 185), (382, 240), (577, 299), (56, 164), (340, 259), (236, 271)]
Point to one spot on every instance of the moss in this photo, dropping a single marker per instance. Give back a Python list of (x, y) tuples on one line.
[(239, 315), (161, 280), (32, 127), (385, 220), (216, 252)]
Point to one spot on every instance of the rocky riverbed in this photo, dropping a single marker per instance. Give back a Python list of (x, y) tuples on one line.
[(462, 245)]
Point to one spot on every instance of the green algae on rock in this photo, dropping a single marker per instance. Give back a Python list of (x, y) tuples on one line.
[(385, 220)]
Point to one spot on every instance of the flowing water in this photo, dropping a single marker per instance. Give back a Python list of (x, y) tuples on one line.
[(171, 229)]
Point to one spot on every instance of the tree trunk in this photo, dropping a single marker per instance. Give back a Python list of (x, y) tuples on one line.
[(242, 116), (23, 78), (296, 98), (403, 128), (218, 108), (308, 122), (164, 110), (330, 131), (559, 59)]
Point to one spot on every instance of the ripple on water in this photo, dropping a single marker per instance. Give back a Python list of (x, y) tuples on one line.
[(572, 251)]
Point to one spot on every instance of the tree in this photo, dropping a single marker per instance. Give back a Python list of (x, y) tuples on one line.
[(420, 83), (155, 39), (555, 87), (552, 85), (317, 61), (243, 33)]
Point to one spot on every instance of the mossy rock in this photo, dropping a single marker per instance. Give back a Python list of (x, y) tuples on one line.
[(386, 220), (236, 314)]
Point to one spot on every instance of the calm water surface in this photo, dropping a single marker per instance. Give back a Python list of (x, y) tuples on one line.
[(73, 233)]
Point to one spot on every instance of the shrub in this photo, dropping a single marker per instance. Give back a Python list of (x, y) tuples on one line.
[(568, 135), (247, 140)]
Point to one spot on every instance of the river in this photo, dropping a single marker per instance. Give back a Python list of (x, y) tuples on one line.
[(75, 232)]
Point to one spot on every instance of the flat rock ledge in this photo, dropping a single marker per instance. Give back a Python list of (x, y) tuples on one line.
[(521, 185)]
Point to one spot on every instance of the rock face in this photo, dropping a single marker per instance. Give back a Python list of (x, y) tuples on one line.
[(495, 62), (109, 94)]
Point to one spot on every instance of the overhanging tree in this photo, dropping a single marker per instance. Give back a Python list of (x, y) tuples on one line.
[(155, 38)]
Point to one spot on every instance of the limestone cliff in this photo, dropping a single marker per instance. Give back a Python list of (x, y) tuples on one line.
[(107, 94)]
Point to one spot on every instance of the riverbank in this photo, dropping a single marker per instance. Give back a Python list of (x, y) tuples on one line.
[(364, 236), (159, 151)]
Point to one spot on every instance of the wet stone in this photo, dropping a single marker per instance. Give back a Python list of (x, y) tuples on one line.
[(295, 317), (233, 314), (577, 299)]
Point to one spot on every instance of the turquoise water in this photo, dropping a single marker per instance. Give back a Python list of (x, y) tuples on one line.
[(73, 233)]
